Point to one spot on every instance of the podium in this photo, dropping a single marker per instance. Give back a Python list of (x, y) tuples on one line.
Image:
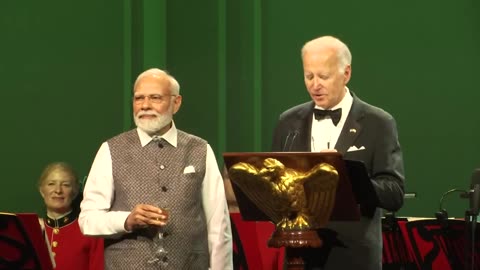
[(265, 183), (22, 243)]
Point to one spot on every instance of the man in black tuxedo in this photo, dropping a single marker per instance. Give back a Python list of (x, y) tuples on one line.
[(337, 120)]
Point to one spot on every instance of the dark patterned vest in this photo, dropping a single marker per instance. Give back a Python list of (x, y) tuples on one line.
[(155, 174)]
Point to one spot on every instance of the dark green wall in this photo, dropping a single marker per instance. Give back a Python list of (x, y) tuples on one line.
[(61, 73), (67, 71)]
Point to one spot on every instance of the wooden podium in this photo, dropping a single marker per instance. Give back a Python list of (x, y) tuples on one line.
[(262, 193), (22, 243)]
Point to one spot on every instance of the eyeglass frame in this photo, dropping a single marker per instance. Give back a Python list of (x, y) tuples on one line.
[(153, 98)]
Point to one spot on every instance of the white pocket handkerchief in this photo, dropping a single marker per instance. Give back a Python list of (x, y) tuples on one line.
[(189, 169), (354, 148)]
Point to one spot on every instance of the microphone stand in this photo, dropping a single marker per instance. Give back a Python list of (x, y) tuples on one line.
[(470, 229), (470, 222)]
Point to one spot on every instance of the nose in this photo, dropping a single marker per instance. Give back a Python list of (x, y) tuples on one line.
[(146, 103), (316, 82), (58, 189)]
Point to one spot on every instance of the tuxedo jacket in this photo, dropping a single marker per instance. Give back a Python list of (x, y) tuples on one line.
[(374, 131)]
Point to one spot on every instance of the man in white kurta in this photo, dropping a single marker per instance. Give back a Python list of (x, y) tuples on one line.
[(155, 192)]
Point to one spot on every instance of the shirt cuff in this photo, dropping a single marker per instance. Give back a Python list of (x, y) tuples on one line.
[(118, 221)]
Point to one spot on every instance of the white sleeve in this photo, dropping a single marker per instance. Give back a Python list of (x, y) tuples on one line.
[(218, 219), (95, 216)]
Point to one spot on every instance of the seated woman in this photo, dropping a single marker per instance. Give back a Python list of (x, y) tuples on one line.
[(59, 187)]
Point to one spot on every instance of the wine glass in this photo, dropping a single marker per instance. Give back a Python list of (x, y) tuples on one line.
[(159, 256)]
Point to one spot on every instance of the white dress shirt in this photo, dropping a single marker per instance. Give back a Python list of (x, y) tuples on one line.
[(324, 133), (97, 219)]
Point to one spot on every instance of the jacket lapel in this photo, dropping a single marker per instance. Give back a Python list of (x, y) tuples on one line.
[(303, 142), (351, 128)]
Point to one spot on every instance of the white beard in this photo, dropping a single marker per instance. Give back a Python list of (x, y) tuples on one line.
[(152, 126)]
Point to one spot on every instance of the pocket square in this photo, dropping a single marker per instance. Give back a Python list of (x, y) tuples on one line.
[(189, 169), (354, 148)]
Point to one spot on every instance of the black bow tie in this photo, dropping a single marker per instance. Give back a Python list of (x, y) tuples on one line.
[(335, 114)]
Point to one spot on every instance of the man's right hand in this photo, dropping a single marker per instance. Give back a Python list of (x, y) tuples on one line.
[(144, 215)]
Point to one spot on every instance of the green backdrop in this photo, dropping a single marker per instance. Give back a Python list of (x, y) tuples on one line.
[(66, 73)]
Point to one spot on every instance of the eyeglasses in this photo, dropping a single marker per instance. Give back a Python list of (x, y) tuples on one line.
[(152, 98)]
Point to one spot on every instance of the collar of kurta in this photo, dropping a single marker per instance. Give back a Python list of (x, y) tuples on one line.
[(63, 221)]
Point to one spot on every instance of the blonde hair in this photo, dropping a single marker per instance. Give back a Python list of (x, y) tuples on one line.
[(65, 167)]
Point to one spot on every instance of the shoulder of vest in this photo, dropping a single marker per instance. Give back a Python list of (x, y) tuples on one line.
[(129, 133), (187, 136)]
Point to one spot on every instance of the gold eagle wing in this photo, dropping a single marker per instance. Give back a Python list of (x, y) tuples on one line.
[(320, 188), (260, 190)]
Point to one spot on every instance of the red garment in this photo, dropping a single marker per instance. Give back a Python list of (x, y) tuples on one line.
[(253, 241), (72, 250)]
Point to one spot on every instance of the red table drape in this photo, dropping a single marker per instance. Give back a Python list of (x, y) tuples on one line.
[(418, 244)]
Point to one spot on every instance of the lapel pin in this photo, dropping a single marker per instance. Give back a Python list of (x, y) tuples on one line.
[(352, 130)]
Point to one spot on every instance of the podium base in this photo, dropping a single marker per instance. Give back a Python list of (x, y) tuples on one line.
[(296, 245), (295, 239)]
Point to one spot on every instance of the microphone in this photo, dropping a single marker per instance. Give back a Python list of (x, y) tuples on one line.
[(286, 141), (475, 192), (442, 214), (290, 133), (293, 139)]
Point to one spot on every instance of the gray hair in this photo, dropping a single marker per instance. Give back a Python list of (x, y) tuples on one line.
[(174, 85), (343, 53)]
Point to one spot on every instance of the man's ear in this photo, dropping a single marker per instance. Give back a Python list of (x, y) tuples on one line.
[(177, 102), (347, 74)]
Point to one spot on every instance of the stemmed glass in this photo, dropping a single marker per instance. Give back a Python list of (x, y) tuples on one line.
[(160, 254)]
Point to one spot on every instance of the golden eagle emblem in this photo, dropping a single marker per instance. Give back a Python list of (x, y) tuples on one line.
[(293, 200)]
